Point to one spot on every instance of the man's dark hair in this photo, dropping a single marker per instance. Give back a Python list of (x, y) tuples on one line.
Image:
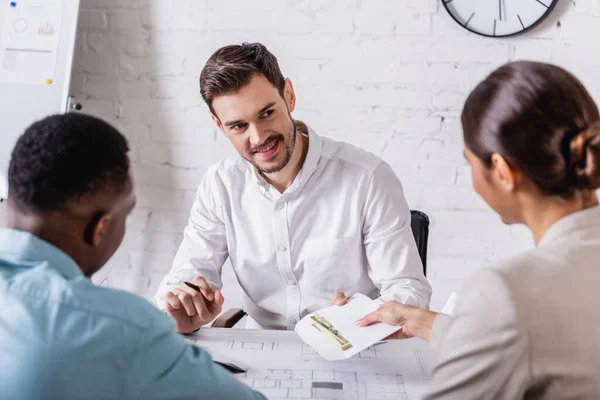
[(232, 67), (64, 157)]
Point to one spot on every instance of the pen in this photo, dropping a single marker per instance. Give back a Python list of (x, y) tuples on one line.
[(196, 288), (234, 369)]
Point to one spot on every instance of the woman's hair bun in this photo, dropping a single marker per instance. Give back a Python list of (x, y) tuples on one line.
[(585, 157)]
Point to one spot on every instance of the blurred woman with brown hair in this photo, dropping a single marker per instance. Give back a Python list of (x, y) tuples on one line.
[(527, 327)]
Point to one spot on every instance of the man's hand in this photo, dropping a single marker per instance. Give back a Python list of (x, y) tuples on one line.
[(413, 321), (192, 309), (338, 299)]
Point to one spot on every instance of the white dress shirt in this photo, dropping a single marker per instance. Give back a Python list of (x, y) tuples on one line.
[(343, 225)]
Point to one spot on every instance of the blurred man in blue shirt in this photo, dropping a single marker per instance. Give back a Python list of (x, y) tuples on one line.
[(61, 337)]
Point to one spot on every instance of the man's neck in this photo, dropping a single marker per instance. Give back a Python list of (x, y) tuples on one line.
[(283, 179), (45, 228)]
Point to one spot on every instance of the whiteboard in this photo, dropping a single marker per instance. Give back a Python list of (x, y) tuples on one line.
[(37, 40)]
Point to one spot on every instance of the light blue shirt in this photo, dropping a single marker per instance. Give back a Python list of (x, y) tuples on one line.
[(62, 337)]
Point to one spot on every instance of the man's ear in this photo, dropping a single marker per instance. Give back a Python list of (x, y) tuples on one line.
[(97, 228), (217, 122), (289, 95)]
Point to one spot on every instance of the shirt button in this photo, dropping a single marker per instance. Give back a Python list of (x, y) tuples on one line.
[(291, 283), (280, 206), (283, 248), (293, 321)]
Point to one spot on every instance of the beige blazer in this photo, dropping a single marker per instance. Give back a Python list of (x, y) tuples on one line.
[(528, 327)]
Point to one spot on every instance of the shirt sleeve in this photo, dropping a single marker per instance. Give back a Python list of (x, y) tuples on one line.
[(395, 266), (480, 351), (166, 367), (203, 250)]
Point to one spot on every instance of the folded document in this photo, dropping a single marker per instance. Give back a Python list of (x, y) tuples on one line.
[(332, 331)]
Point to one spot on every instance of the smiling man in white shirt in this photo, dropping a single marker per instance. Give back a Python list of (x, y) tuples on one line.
[(305, 220)]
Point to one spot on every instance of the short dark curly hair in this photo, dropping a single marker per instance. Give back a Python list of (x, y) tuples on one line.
[(64, 157)]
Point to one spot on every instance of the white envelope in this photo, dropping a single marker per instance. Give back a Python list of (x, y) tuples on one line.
[(344, 320)]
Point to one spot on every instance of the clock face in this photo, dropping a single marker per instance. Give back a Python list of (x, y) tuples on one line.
[(498, 18)]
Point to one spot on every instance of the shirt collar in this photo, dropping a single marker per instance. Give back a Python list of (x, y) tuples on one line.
[(573, 222), (26, 249), (315, 145)]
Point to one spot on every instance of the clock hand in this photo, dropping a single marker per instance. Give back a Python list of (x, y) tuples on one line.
[(500, 9)]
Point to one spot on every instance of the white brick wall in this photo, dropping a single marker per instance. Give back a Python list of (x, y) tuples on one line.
[(390, 76)]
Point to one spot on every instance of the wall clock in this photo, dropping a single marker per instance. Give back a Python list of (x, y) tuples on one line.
[(499, 18)]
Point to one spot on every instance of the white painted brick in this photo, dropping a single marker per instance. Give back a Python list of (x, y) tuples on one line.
[(364, 71), (149, 262), (133, 132), (450, 76), (163, 199), (451, 128), (417, 124), (237, 20), (451, 198), (168, 221), (450, 100), (357, 120), (590, 7), (444, 152), (134, 152), (114, 4), (471, 50), (101, 87), (573, 55), (185, 87), (104, 109), (95, 63), (374, 142), (402, 7), (154, 112), (177, 156), (327, 7), (164, 176), (310, 47), (483, 224), (93, 19), (136, 46), (536, 50), (431, 174), (170, 42), (289, 24), (577, 23), (463, 249), (340, 23), (138, 219), (424, 176), (162, 242), (134, 68), (406, 98), (411, 74), (78, 84), (374, 22), (463, 176), (125, 21), (405, 150), (134, 239)]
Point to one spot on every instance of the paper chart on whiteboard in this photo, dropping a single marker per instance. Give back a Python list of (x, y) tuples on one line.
[(29, 41)]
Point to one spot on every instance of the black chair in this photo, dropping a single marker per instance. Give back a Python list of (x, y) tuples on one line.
[(419, 223)]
